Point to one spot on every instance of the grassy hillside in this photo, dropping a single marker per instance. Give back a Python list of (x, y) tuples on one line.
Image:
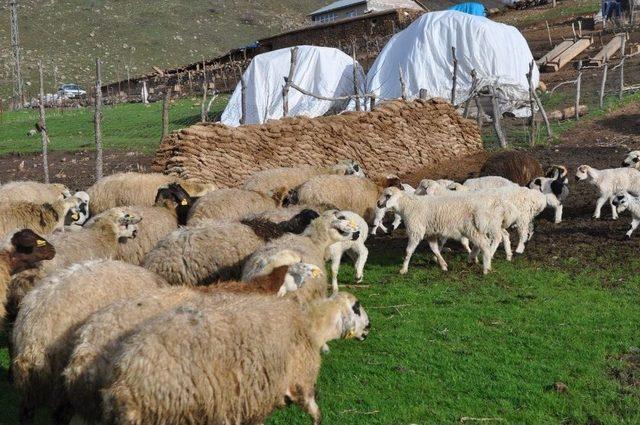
[(69, 34)]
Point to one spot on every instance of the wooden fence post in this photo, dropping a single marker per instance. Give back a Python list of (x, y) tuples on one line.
[(532, 120), (480, 116), (42, 127), (166, 102), (372, 102), (549, 33), (285, 89), (604, 80), (356, 91), (544, 116), (578, 88), (497, 118), (474, 83), (403, 84), (243, 100), (97, 121), (624, 56), (455, 76)]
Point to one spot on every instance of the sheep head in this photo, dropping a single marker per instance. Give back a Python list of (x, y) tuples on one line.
[(297, 275), (430, 187), (621, 201), (348, 167), (29, 249), (126, 225), (341, 228), (353, 317), (174, 197), (64, 191), (632, 160), (584, 172), (389, 198)]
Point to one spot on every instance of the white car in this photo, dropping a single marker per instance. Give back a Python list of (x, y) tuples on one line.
[(70, 91)]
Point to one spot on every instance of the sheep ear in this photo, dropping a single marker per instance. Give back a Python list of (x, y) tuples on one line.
[(394, 182), (279, 195)]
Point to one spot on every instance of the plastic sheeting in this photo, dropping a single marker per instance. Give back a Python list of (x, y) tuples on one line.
[(320, 70), (476, 9), (498, 52)]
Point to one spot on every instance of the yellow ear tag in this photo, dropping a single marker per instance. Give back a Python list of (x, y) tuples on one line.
[(351, 334), (315, 273), (184, 202), (353, 224), (41, 242), (75, 216)]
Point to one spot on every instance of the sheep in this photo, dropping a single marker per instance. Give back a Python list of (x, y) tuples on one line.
[(170, 209), (486, 182), (609, 182), (98, 240), (273, 344), (519, 167), (139, 189), (233, 204), (380, 214), (450, 217), (97, 340), (20, 251), (41, 218), (311, 246), (218, 249), (30, 191), (328, 192), (556, 186), (624, 201), (42, 338), (355, 249), (268, 181), (632, 160)]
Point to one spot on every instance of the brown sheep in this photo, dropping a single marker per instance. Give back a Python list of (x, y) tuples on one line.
[(519, 167), (21, 251), (174, 368), (42, 338), (41, 218)]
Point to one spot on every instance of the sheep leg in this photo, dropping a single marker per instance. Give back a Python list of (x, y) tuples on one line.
[(614, 210), (523, 236), (473, 255), (465, 244), (558, 217), (485, 248), (359, 255), (506, 243), (336, 257), (396, 221), (311, 407), (599, 204), (433, 244), (411, 247), (634, 224)]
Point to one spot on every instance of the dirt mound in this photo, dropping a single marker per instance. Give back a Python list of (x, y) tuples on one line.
[(397, 137)]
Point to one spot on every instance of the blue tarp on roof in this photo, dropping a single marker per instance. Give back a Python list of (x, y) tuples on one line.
[(476, 9)]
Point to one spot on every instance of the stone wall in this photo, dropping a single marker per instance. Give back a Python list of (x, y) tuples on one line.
[(396, 137)]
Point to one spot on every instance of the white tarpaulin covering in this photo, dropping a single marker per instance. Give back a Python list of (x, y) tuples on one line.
[(498, 52), (323, 71)]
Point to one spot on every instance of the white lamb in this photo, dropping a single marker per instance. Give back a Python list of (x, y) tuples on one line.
[(437, 217), (377, 221), (355, 249), (610, 182), (623, 201), (556, 186)]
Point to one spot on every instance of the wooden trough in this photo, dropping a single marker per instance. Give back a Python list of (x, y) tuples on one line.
[(609, 50), (566, 54)]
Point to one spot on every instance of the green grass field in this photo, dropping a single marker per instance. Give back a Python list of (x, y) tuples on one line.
[(126, 126), (444, 347)]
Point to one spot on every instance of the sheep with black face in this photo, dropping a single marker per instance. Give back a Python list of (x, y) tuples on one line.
[(624, 201)]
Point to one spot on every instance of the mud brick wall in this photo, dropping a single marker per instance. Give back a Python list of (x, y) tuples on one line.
[(397, 137)]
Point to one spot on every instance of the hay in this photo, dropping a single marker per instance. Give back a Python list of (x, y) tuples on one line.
[(397, 137)]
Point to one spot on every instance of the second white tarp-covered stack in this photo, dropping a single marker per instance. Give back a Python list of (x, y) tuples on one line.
[(498, 52), (323, 71)]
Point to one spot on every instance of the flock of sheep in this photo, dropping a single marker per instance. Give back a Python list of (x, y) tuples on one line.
[(152, 299)]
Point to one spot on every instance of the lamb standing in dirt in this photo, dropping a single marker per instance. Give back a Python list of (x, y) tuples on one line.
[(30, 191), (355, 249), (437, 217), (100, 336), (233, 204), (268, 181), (140, 189), (609, 182), (248, 332), (20, 251), (623, 201), (556, 184), (217, 250), (49, 315), (311, 246)]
